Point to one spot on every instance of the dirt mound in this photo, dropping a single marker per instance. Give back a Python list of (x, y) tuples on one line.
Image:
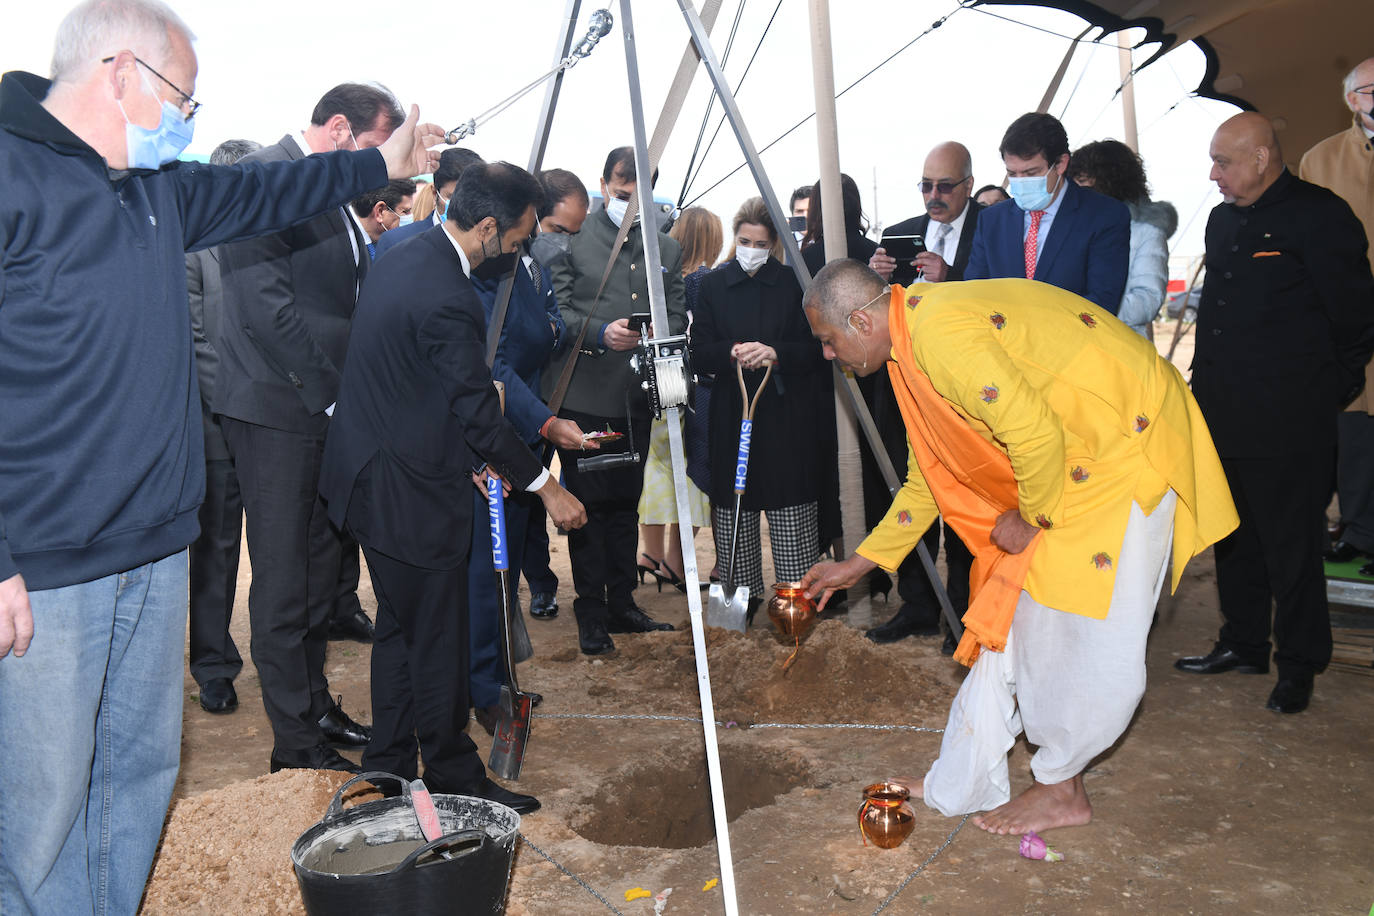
[(838, 676), (229, 850)]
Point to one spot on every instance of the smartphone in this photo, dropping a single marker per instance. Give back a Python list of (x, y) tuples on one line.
[(903, 249), (796, 223), (639, 321)]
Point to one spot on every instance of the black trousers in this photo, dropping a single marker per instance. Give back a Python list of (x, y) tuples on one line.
[(1273, 562), (214, 569), (420, 675), (538, 574), (1355, 478), (914, 586), (350, 572), (603, 551), (295, 557)]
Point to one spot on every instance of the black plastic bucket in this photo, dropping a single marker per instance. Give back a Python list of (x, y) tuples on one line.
[(373, 858)]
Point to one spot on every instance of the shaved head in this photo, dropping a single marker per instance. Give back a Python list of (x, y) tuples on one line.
[(948, 163), (1246, 158), (841, 287)]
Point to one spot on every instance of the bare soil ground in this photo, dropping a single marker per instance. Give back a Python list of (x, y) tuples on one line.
[(1209, 804)]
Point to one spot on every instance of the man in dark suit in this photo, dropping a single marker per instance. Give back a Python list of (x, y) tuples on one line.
[(418, 414), (1052, 230), (214, 556), (288, 300), (1285, 328), (947, 228)]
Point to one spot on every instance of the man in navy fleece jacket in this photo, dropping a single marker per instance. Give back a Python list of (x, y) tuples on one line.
[(101, 466)]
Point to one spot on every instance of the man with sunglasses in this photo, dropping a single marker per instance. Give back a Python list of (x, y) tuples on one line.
[(947, 228), (101, 466)]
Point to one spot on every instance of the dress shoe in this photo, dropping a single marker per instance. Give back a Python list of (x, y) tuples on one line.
[(342, 731), (1218, 660), (319, 757), (949, 645), (356, 625), (1291, 694), (218, 695), (634, 620), (904, 623), (1342, 552), (544, 605), (521, 804), (1367, 569), (592, 636)]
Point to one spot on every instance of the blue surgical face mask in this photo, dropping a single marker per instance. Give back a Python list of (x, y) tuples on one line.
[(406, 219), (1032, 193), (615, 209), (152, 148)]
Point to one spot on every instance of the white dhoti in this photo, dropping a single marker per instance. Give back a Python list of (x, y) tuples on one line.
[(1071, 681)]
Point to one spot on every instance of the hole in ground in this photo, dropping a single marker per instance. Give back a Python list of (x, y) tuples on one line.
[(667, 803)]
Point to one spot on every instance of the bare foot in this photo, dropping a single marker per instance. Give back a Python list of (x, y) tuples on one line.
[(1041, 807)]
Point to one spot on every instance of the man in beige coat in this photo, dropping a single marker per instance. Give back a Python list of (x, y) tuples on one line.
[(1344, 163)]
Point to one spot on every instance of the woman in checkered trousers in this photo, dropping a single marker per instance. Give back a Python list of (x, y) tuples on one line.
[(749, 315)]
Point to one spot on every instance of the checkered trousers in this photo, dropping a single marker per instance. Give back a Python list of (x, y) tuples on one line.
[(792, 531)]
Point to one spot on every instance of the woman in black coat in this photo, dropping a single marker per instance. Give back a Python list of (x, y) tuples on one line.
[(749, 314)]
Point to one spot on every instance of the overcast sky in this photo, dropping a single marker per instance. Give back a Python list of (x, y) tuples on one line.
[(264, 64)]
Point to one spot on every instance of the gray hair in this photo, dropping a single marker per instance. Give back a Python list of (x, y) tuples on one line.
[(1348, 84), (840, 288), (231, 151), (98, 28)]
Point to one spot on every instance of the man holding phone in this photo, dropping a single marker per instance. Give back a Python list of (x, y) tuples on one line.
[(936, 244), (933, 247)]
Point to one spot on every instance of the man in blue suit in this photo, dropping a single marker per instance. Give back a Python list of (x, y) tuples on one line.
[(1052, 230)]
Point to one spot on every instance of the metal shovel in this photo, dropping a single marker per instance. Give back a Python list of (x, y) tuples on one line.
[(728, 604), (515, 709)]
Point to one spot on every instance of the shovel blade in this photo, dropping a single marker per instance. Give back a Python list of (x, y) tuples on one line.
[(728, 612), (512, 734)]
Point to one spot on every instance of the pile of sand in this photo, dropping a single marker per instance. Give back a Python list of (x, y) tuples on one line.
[(229, 850)]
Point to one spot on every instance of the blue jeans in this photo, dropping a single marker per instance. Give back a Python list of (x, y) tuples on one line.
[(90, 740)]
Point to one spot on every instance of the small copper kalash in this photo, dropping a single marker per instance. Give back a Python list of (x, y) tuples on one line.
[(793, 614), (886, 818)]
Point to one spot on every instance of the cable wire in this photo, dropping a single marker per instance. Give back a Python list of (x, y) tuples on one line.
[(710, 103), (785, 134)]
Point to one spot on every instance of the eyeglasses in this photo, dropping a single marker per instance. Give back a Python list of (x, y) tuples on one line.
[(188, 105), (944, 187)]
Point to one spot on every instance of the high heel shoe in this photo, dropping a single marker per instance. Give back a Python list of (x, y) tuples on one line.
[(651, 570), (665, 574)]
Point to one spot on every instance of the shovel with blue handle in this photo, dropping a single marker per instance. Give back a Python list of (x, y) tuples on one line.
[(515, 708), (728, 604)]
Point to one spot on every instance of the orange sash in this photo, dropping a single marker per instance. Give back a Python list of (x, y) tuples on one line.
[(972, 482)]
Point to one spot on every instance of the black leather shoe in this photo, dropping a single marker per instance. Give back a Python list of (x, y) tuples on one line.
[(319, 757), (522, 804), (356, 625), (218, 695), (1291, 694), (535, 698), (592, 637), (544, 605), (1367, 569), (634, 620), (904, 623), (487, 717), (342, 731), (949, 645), (1218, 660), (1342, 552)]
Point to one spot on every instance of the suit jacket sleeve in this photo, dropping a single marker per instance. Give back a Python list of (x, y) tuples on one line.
[(674, 291), (452, 340), (206, 357), (1109, 254), (977, 268), (524, 409), (260, 271), (227, 203)]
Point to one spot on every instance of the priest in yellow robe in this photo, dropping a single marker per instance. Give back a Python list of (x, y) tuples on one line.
[(1073, 461)]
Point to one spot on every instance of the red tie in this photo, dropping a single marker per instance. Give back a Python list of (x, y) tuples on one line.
[(1031, 238)]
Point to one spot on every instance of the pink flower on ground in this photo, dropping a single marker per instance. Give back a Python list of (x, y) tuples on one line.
[(1033, 847)]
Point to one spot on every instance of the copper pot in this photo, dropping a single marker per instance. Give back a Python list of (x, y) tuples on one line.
[(886, 817), (791, 611)]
